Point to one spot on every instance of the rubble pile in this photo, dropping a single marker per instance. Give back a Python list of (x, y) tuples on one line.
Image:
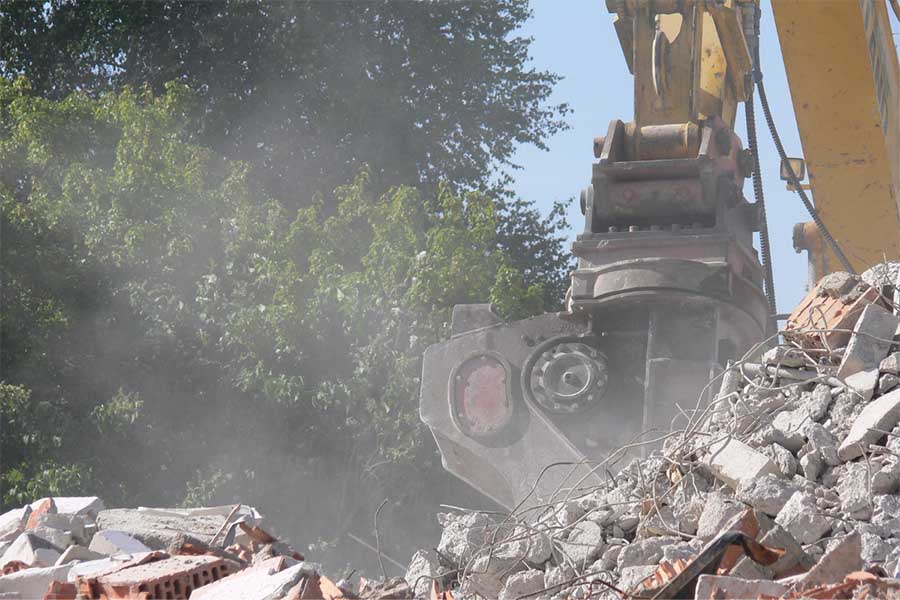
[(782, 482), (73, 548)]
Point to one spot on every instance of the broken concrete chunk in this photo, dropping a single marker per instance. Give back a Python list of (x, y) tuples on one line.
[(12, 523), (424, 568), (659, 521), (843, 558), (556, 577), (688, 512), (488, 574), (844, 410), (874, 550), (72, 524), (731, 461), (787, 356), (818, 401), (887, 478), (812, 465), (719, 509), (835, 285), (863, 384), (768, 493), (734, 588), (788, 426), (783, 459), (526, 583), (91, 567), (111, 542), (78, 505), (257, 583), (802, 519), (31, 550), (682, 550), (630, 577), (57, 537), (569, 513), (644, 552), (818, 437), (585, 543), (890, 364), (32, 583), (794, 558), (159, 529), (463, 535), (879, 415), (871, 339), (882, 275), (887, 382), (887, 511), (853, 489), (79, 553)]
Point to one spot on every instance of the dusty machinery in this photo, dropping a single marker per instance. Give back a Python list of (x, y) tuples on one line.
[(668, 285)]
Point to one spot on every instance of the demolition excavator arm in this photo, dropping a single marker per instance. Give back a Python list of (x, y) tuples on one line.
[(668, 285), (844, 79)]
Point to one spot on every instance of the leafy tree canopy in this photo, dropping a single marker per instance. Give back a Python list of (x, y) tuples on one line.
[(172, 337), (308, 91)]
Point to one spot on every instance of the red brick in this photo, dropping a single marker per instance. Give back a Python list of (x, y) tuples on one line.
[(47, 506), (170, 578)]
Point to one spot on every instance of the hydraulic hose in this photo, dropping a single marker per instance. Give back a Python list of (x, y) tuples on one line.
[(764, 247)]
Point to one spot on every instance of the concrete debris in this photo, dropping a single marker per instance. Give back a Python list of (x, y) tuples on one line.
[(786, 488), (29, 549), (32, 583), (734, 588), (871, 340), (732, 461), (585, 543), (783, 458), (218, 552), (863, 384), (522, 584), (880, 415), (12, 523), (807, 439), (887, 382), (110, 542), (424, 568), (77, 553), (463, 535), (768, 493), (719, 510), (802, 519), (158, 529)]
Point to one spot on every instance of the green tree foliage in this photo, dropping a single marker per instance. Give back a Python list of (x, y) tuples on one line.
[(172, 336), (309, 91)]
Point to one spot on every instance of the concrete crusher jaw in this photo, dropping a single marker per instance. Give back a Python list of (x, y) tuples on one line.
[(668, 288)]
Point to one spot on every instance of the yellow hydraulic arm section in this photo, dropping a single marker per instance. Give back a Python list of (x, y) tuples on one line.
[(845, 86)]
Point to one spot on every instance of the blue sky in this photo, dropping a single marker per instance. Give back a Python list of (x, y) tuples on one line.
[(576, 39)]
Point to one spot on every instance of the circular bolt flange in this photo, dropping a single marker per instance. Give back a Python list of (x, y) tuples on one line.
[(568, 377)]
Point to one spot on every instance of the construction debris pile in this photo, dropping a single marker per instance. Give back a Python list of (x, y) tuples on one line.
[(72, 548), (783, 483)]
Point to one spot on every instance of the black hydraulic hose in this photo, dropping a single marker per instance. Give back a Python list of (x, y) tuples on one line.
[(764, 247), (758, 77)]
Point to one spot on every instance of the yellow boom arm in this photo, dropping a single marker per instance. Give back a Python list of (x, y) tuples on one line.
[(844, 79)]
